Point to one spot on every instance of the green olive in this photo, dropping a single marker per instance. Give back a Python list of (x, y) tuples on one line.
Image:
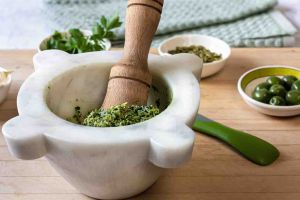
[(277, 90), (277, 101), (262, 95), (274, 80), (263, 85), (293, 97), (296, 85), (288, 81)]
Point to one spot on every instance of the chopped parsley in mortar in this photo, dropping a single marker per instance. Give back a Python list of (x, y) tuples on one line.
[(119, 115)]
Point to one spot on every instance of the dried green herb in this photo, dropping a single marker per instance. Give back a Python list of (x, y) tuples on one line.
[(157, 102), (206, 55), (120, 115), (77, 118)]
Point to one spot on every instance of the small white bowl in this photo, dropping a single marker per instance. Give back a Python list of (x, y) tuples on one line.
[(43, 45), (4, 87), (250, 79), (213, 44)]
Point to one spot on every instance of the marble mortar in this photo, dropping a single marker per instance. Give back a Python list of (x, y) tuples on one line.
[(106, 163)]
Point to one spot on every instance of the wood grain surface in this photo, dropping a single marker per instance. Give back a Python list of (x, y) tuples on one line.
[(215, 171)]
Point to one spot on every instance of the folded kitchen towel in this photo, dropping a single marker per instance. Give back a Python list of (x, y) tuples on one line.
[(269, 29), (230, 20)]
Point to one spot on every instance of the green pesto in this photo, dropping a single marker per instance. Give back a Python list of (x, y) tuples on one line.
[(200, 51), (120, 115)]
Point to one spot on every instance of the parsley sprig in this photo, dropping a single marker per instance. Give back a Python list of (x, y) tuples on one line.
[(74, 41)]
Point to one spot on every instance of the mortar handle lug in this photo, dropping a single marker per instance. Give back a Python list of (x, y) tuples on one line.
[(24, 138), (171, 148)]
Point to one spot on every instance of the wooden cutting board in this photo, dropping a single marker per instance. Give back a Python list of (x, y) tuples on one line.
[(215, 171)]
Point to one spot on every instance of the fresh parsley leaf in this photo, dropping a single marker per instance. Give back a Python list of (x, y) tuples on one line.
[(114, 22), (103, 21), (98, 30)]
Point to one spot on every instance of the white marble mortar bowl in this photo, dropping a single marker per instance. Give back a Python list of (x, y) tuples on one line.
[(106, 163)]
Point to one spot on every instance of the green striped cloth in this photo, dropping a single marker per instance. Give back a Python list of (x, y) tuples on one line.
[(241, 23)]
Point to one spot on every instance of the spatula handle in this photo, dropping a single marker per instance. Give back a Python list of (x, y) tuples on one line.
[(253, 148)]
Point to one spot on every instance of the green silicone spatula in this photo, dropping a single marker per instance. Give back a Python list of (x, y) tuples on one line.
[(251, 147)]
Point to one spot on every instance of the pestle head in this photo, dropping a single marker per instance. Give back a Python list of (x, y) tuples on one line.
[(127, 84), (130, 78)]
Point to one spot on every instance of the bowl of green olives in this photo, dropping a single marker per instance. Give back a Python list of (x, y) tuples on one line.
[(272, 90)]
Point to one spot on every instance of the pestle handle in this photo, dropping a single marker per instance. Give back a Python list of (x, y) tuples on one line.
[(130, 78), (141, 23)]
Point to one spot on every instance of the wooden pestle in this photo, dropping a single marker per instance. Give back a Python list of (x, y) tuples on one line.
[(130, 79)]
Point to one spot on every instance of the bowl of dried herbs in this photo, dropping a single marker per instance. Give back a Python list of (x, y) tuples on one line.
[(213, 51)]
